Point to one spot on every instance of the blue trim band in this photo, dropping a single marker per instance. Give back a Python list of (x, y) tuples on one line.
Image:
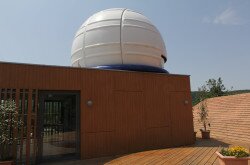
[(139, 68)]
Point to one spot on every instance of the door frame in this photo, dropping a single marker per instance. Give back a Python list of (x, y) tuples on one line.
[(42, 95)]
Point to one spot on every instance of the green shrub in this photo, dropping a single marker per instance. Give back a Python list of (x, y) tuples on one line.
[(9, 122)]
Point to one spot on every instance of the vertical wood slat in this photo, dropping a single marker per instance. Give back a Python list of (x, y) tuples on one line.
[(0, 103), (35, 124), (10, 99), (2, 93), (10, 94), (22, 128), (5, 94), (16, 128), (29, 112)]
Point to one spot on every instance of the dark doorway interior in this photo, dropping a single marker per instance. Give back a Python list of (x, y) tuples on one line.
[(58, 125)]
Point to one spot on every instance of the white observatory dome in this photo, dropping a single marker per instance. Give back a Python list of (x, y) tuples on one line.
[(117, 37)]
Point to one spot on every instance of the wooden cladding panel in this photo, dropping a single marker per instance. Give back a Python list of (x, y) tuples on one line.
[(131, 111), (181, 115), (102, 111), (158, 137), (177, 83), (98, 144), (66, 78), (128, 82), (130, 119), (40, 77), (157, 110)]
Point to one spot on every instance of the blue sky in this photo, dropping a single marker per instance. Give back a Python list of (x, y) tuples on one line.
[(204, 39)]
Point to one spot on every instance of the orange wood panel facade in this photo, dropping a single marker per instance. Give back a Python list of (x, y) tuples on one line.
[(131, 111)]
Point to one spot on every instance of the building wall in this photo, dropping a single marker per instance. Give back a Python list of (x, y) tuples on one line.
[(131, 111)]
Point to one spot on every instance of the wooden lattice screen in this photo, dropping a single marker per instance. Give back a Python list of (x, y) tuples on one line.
[(25, 150)]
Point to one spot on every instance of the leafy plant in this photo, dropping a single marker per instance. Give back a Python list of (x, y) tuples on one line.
[(9, 122), (203, 110), (236, 151)]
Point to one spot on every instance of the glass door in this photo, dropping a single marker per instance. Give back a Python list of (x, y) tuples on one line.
[(59, 126)]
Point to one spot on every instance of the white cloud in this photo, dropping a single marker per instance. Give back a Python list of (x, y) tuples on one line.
[(227, 17)]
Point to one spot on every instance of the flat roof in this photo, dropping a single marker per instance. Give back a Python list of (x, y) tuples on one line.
[(70, 67)]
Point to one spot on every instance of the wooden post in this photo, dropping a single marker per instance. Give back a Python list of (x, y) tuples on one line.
[(28, 126), (35, 124), (17, 97), (22, 118)]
